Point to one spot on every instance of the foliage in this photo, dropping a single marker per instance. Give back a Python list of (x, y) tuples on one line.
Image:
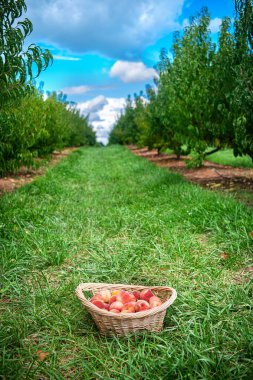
[(29, 126), (36, 127), (153, 134), (190, 79), (17, 67), (126, 129), (242, 101), (203, 96), (244, 14), (222, 78)]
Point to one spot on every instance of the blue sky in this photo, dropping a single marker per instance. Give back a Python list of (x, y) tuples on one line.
[(104, 50)]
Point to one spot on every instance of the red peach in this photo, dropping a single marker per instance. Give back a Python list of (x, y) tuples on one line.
[(154, 301), (132, 297), (112, 299), (106, 306), (105, 294), (97, 297), (136, 294), (128, 307), (116, 305), (146, 294), (141, 305), (98, 303), (125, 297), (115, 311)]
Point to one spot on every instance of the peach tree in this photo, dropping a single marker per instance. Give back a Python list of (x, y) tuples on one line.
[(17, 66), (242, 101)]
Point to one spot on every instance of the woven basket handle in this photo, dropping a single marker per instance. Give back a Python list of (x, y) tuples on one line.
[(172, 298)]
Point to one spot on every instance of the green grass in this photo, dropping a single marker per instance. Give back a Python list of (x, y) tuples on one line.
[(104, 215), (226, 157)]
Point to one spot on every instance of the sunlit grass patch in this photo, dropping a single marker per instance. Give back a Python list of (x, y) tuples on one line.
[(226, 157)]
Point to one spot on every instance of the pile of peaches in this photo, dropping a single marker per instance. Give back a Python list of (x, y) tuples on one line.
[(120, 301)]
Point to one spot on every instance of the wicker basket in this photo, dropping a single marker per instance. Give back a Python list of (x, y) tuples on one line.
[(124, 323)]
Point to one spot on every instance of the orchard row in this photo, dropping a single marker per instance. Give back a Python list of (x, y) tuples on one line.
[(202, 95), (34, 127), (31, 126)]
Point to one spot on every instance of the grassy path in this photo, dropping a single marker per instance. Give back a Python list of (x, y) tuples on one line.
[(104, 215)]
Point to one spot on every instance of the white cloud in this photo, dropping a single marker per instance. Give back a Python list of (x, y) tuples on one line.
[(103, 113), (130, 72), (76, 90), (114, 29), (94, 117), (215, 25), (93, 105), (65, 58)]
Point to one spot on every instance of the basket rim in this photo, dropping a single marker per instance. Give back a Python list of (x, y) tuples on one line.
[(89, 286)]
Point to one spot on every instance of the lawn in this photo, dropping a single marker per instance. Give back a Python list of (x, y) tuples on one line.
[(226, 157), (105, 215)]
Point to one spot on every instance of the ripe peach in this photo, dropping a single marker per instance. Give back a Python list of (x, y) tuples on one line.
[(125, 297), (128, 307), (132, 297), (107, 306), (115, 311), (112, 299), (98, 303), (146, 294), (154, 301), (141, 305), (97, 297), (105, 294), (136, 294), (116, 305)]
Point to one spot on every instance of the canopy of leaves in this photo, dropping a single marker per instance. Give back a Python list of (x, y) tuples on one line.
[(17, 67), (203, 96), (36, 127)]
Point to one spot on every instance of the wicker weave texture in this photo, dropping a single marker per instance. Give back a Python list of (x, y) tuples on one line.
[(124, 323)]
